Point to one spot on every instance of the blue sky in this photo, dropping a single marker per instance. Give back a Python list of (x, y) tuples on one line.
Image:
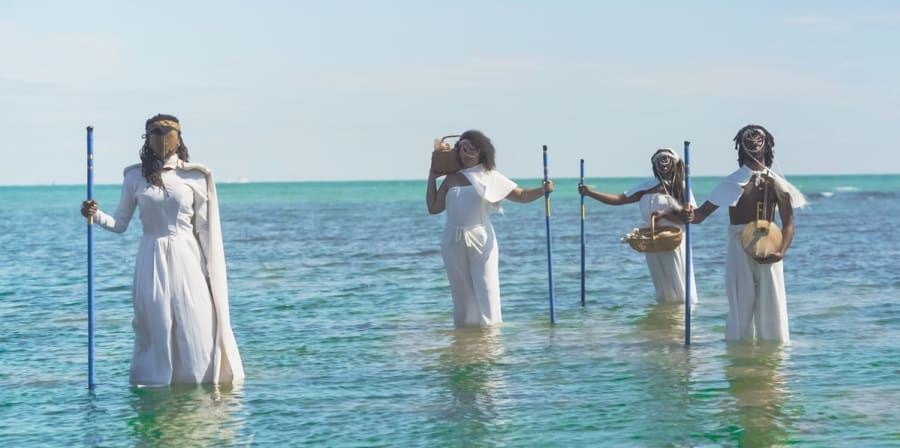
[(357, 90)]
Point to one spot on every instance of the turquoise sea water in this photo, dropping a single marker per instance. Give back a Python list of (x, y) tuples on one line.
[(342, 312)]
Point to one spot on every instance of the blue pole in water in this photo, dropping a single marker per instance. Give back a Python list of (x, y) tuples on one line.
[(90, 256), (549, 244), (688, 257), (582, 234)]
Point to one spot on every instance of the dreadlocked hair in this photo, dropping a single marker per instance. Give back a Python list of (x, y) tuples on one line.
[(675, 182), (151, 163), (744, 158)]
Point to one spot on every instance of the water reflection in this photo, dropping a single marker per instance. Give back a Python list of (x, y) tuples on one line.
[(185, 415), (758, 387), (92, 413), (664, 324), (474, 382), (664, 369)]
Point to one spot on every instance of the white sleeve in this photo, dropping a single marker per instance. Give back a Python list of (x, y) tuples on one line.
[(643, 186), (730, 189), (118, 222)]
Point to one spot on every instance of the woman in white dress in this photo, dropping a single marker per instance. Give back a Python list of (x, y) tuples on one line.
[(665, 191), (181, 321), (469, 246)]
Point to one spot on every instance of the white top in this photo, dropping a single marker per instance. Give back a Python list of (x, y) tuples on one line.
[(652, 202), (465, 208)]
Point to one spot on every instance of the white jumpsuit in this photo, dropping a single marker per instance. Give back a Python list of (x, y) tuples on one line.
[(471, 257), (174, 314)]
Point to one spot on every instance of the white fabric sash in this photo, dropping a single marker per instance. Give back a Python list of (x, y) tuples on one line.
[(489, 184)]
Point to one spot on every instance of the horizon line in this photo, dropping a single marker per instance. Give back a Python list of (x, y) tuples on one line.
[(240, 182)]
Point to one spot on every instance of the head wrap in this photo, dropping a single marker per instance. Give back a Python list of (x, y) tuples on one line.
[(663, 152)]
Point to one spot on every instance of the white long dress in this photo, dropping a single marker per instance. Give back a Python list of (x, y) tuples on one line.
[(182, 335), (471, 257), (667, 269)]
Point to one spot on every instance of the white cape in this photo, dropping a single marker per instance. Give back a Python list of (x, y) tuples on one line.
[(489, 184), (731, 188), (228, 367)]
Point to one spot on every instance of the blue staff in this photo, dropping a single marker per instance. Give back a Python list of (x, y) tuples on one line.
[(582, 234), (688, 275), (549, 244), (90, 256)]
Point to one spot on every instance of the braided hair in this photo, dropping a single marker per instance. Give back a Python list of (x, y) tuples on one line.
[(674, 185), (744, 158), (152, 163)]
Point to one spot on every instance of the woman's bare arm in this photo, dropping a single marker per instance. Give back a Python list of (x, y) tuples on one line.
[(609, 198), (531, 194)]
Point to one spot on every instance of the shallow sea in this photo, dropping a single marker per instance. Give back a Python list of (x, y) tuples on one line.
[(342, 312)]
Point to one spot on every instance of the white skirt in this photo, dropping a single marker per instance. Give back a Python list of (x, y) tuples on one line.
[(667, 270)]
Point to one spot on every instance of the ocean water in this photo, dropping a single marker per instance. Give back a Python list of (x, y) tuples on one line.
[(342, 312)]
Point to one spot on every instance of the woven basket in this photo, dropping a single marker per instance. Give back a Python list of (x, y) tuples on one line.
[(445, 159), (654, 239)]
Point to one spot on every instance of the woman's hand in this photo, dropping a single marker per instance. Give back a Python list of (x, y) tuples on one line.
[(659, 214), (669, 215), (89, 208), (583, 189), (547, 186), (774, 257), (687, 215)]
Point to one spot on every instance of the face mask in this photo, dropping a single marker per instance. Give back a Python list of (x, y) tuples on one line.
[(664, 158), (753, 139), (163, 137)]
